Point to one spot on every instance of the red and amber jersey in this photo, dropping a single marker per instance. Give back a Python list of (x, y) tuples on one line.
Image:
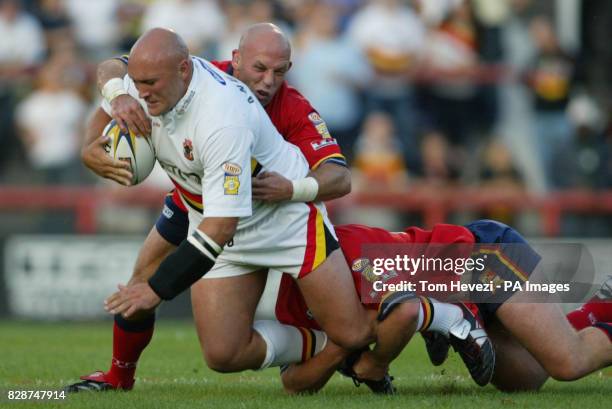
[(290, 305), (299, 123)]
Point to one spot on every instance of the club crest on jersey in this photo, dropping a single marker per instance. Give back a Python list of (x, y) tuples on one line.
[(319, 124), (231, 182), (188, 149)]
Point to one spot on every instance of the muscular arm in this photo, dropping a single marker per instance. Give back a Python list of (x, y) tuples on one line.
[(94, 156), (334, 182), (310, 376), (109, 69), (128, 113)]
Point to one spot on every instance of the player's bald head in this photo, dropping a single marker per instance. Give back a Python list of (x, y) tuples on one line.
[(160, 45), (161, 69), (265, 36)]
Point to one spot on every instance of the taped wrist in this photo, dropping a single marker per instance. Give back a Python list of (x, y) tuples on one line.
[(192, 259), (113, 88), (305, 190)]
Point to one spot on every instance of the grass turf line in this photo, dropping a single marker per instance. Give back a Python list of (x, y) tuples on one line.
[(172, 373)]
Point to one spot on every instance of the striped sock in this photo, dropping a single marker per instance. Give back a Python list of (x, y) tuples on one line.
[(437, 317)]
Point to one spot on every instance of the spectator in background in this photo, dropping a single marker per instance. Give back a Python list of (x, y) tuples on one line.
[(96, 26), (22, 45), (379, 164), (200, 22), (378, 167), (499, 175), (392, 37), (50, 122), (582, 163), (550, 82), (55, 22), (341, 72), (450, 63), (440, 165)]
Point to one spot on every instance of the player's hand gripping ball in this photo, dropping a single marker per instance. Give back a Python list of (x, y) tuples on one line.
[(137, 151)]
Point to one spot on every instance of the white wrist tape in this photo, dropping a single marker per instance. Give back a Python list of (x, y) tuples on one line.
[(305, 190), (205, 244), (113, 88)]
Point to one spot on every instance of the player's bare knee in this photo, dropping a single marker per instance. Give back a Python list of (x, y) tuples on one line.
[(221, 359), (568, 367), (352, 336)]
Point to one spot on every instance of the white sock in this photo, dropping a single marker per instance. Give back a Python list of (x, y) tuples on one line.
[(286, 344), (437, 316)]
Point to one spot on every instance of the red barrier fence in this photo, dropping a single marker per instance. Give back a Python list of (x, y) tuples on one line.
[(434, 205)]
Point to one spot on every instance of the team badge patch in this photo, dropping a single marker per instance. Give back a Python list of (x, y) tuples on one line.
[(319, 124), (231, 182), (363, 266), (188, 149)]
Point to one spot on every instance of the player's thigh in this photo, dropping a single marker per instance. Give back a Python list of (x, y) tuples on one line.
[(330, 294), (542, 329), (153, 251), (224, 309), (515, 368)]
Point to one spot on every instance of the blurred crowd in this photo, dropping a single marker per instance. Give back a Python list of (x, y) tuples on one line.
[(503, 93)]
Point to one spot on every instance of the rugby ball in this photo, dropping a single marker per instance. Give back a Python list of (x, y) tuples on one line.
[(136, 150)]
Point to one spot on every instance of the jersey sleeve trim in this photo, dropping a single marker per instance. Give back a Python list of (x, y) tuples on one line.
[(224, 212), (123, 58), (336, 158)]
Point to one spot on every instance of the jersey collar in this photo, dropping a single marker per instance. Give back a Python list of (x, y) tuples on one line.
[(186, 100)]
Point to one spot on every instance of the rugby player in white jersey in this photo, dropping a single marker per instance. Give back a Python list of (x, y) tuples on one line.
[(274, 51), (207, 126)]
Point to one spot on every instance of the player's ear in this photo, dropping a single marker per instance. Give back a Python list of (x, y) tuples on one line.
[(235, 58), (184, 68), (290, 65)]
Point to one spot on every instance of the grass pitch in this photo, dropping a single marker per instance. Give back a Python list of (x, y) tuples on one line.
[(172, 374)]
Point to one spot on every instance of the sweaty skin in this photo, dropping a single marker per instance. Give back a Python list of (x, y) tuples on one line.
[(261, 61)]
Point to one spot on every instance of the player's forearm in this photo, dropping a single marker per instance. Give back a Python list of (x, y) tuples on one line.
[(112, 68), (193, 258), (219, 229), (94, 129), (334, 181), (312, 375)]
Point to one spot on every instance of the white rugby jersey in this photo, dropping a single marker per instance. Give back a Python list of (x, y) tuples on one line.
[(211, 142)]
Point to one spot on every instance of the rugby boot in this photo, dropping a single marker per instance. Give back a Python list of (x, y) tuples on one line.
[(382, 386), (470, 340), (437, 346), (97, 382)]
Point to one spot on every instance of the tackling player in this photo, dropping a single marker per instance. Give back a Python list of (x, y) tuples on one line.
[(532, 341)]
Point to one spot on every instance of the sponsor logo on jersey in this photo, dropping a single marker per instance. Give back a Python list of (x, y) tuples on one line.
[(319, 124), (316, 145), (185, 104), (231, 169), (167, 212), (231, 185), (188, 149)]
